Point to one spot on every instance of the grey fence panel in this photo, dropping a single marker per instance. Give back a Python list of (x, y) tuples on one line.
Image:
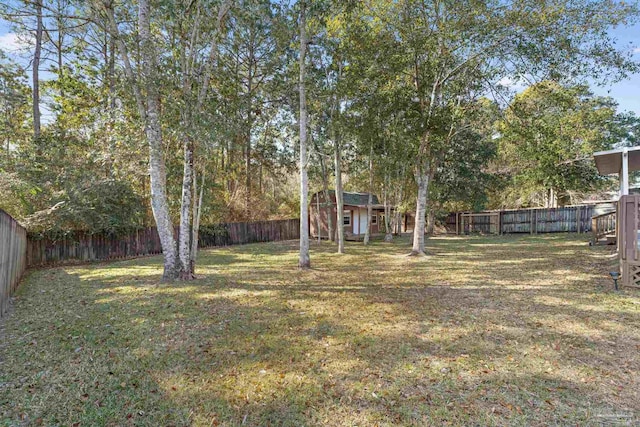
[(568, 219), (13, 257)]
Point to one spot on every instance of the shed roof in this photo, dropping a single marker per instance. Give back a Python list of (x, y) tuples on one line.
[(355, 199), (610, 162), (359, 199)]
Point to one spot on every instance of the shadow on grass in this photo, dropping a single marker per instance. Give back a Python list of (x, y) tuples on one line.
[(509, 330)]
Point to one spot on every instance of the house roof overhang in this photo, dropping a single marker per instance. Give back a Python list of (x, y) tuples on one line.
[(610, 162)]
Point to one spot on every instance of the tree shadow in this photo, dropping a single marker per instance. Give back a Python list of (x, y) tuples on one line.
[(367, 338)]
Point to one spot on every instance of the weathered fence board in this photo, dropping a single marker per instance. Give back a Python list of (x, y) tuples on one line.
[(82, 247), (13, 261), (480, 223), (534, 220)]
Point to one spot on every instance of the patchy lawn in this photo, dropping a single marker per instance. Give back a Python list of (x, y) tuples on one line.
[(486, 331)]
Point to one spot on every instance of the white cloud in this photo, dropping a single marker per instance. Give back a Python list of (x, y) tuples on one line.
[(506, 81), (11, 42), (635, 50), (512, 83)]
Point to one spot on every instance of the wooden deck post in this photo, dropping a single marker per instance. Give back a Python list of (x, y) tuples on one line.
[(624, 173), (622, 240), (635, 229)]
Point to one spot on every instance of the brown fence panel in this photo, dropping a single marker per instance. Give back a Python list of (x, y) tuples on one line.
[(517, 221), (568, 219), (484, 223), (82, 247), (13, 257), (450, 222)]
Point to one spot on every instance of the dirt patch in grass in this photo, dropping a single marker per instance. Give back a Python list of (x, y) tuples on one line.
[(485, 331)]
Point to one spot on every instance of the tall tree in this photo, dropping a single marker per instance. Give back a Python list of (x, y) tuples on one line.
[(367, 233), (150, 112), (304, 261), (14, 107), (445, 50), (146, 93), (195, 79), (547, 137), (37, 52)]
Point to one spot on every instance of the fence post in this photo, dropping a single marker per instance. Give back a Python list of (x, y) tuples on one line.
[(457, 227), (531, 221), (578, 219)]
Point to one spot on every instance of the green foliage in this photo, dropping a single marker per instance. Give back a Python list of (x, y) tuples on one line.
[(462, 180), (14, 107), (548, 136), (66, 187), (405, 81), (102, 206)]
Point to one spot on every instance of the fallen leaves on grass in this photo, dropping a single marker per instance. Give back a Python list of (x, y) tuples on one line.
[(484, 331)]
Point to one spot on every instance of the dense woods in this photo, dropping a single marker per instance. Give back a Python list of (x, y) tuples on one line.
[(121, 115)]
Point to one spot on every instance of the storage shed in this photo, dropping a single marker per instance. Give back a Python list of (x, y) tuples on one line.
[(353, 218)]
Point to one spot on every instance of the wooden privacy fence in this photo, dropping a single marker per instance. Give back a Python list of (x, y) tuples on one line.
[(81, 246), (576, 219), (13, 261)]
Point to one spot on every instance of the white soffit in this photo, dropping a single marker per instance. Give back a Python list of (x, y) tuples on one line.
[(610, 162)]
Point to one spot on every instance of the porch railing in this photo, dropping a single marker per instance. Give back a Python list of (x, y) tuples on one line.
[(603, 225)]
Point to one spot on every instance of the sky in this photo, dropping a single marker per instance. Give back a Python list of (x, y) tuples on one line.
[(626, 92)]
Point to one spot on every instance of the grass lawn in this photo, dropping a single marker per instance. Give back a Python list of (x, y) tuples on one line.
[(486, 331)]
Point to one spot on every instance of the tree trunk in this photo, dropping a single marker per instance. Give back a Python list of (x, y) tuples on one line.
[(153, 132), (431, 219), (36, 75), (184, 239), (329, 210), (193, 250), (389, 219), (327, 204), (197, 211), (422, 179), (398, 215), (247, 204), (111, 107), (150, 114), (339, 199), (159, 202), (191, 108), (59, 45), (318, 218), (304, 261), (367, 233)]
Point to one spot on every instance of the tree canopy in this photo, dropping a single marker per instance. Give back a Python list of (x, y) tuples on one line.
[(199, 106)]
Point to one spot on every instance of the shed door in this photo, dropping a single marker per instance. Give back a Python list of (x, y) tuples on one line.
[(363, 221), (356, 220)]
